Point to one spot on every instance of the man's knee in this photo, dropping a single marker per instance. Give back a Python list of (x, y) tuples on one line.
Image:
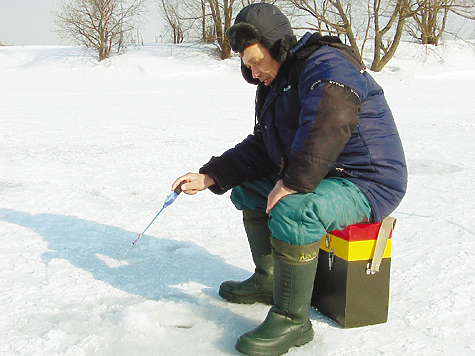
[(238, 198), (294, 222), (252, 195)]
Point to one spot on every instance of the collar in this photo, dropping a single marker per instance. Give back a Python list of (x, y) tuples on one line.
[(300, 43)]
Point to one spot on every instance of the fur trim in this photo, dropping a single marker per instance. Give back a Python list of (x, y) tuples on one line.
[(242, 35), (281, 48)]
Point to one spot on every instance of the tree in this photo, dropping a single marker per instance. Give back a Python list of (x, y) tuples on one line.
[(171, 11), (203, 20), (103, 25), (222, 14), (430, 17), (339, 17), (387, 48), (331, 16)]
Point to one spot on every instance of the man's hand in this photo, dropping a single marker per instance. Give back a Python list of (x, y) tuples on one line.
[(193, 183), (279, 191)]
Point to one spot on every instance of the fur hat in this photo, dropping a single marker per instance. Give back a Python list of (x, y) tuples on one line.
[(262, 23)]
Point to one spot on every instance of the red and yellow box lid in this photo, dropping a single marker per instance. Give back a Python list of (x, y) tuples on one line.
[(355, 242)]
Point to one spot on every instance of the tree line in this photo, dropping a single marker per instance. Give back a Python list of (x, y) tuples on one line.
[(109, 25)]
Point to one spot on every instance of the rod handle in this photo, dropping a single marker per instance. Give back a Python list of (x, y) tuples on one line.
[(178, 188)]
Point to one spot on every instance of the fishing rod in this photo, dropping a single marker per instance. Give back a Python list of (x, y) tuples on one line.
[(168, 201)]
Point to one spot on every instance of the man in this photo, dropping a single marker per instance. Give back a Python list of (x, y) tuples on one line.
[(325, 153)]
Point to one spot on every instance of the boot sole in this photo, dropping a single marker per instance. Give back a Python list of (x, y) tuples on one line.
[(302, 339), (251, 299)]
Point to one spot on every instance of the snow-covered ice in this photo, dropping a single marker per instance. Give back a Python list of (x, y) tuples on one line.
[(88, 153)]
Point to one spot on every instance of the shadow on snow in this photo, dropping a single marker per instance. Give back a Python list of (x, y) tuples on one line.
[(154, 268)]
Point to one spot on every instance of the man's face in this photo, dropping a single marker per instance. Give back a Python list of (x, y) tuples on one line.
[(258, 59)]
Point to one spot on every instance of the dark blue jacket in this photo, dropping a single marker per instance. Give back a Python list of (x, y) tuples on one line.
[(333, 120)]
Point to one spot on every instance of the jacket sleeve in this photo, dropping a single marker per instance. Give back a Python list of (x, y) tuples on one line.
[(330, 113), (246, 161)]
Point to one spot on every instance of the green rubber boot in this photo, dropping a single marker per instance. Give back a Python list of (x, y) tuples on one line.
[(287, 324), (258, 287)]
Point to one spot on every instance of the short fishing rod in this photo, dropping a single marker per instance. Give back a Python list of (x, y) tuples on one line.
[(168, 201)]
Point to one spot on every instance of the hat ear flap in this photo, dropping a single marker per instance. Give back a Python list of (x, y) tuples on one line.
[(280, 49), (242, 35)]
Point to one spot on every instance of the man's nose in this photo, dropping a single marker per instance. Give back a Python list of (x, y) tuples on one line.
[(255, 73)]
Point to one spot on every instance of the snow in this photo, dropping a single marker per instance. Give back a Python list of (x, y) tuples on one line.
[(88, 153)]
